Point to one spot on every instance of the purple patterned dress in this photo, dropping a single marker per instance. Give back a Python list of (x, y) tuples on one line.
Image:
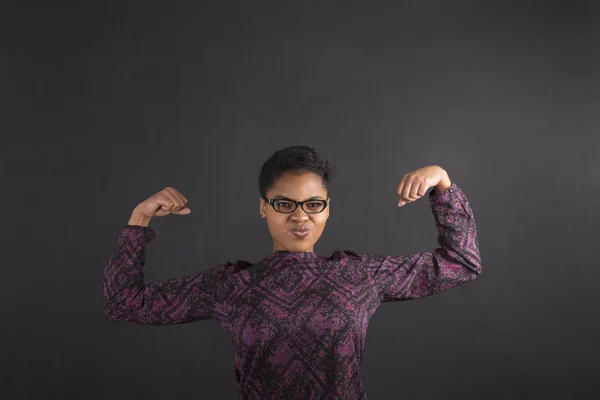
[(297, 321)]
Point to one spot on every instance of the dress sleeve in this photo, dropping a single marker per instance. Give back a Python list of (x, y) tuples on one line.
[(455, 262), (169, 302)]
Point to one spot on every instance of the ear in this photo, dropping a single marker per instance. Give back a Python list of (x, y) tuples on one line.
[(262, 207)]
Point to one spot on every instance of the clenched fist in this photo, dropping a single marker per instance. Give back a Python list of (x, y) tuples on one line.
[(166, 202)]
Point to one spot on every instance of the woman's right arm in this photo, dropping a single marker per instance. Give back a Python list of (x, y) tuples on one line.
[(174, 301)]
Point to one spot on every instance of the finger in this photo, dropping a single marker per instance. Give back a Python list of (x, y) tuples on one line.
[(172, 194), (422, 189), (165, 201), (403, 199), (180, 195), (401, 187), (407, 189), (414, 189), (178, 201)]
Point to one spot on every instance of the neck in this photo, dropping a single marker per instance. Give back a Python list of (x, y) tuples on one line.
[(281, 248)]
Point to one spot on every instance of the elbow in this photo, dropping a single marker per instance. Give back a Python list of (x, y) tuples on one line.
[(473, 268), (466, 271), (115, 313), (460, 275), (125, 313), (110, 312), (472, 271), (471, 262), (473, 274), (121, 306), (475, 264), (478, 269), (465, 265)]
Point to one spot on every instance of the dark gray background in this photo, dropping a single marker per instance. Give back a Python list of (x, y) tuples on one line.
[(105, 105)]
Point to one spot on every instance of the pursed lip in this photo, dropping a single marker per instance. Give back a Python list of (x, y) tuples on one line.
[(301, 229)]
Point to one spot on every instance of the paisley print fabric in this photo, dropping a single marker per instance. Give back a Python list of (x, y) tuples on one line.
[(298, 321)]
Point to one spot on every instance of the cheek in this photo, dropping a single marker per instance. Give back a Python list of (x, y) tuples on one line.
[(323, 218), (276, 225), (320, 224)]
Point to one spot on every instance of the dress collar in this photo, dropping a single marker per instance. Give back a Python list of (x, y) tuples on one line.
[(302, 256)]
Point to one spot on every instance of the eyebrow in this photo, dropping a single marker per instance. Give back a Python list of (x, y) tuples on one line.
[(279, 196)]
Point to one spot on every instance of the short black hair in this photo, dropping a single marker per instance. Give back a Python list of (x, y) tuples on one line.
[(299, 159)]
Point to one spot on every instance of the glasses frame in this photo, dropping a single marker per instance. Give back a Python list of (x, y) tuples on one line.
[(297, 203)]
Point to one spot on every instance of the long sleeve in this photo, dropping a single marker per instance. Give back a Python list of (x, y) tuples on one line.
[(457, 261), (173, 301)]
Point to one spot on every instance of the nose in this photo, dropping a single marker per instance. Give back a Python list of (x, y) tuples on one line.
[(299, 214)]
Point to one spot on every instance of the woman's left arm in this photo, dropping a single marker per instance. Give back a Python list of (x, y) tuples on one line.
[(455, 262)]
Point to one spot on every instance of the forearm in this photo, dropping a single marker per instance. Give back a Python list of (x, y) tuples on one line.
[(457, 231), (123, 276)]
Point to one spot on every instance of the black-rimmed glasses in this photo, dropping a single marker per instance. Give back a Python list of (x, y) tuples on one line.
[(287, 206)]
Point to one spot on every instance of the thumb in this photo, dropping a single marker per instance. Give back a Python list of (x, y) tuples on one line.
[(183, 211), (403, 202)]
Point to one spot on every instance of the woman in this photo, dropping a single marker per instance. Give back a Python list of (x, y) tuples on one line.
[(297, 320)]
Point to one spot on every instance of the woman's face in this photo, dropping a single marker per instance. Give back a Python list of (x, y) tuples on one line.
[(281, 226)]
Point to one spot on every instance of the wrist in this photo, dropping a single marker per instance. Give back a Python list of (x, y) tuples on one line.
[(137, 218), (443, 185)]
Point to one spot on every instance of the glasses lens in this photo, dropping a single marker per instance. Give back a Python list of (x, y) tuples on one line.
[(284, 206), (314, 206)]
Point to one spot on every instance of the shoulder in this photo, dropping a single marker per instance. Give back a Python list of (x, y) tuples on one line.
[(238, 265), (344, 254), (241, 264), (228, 268)]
